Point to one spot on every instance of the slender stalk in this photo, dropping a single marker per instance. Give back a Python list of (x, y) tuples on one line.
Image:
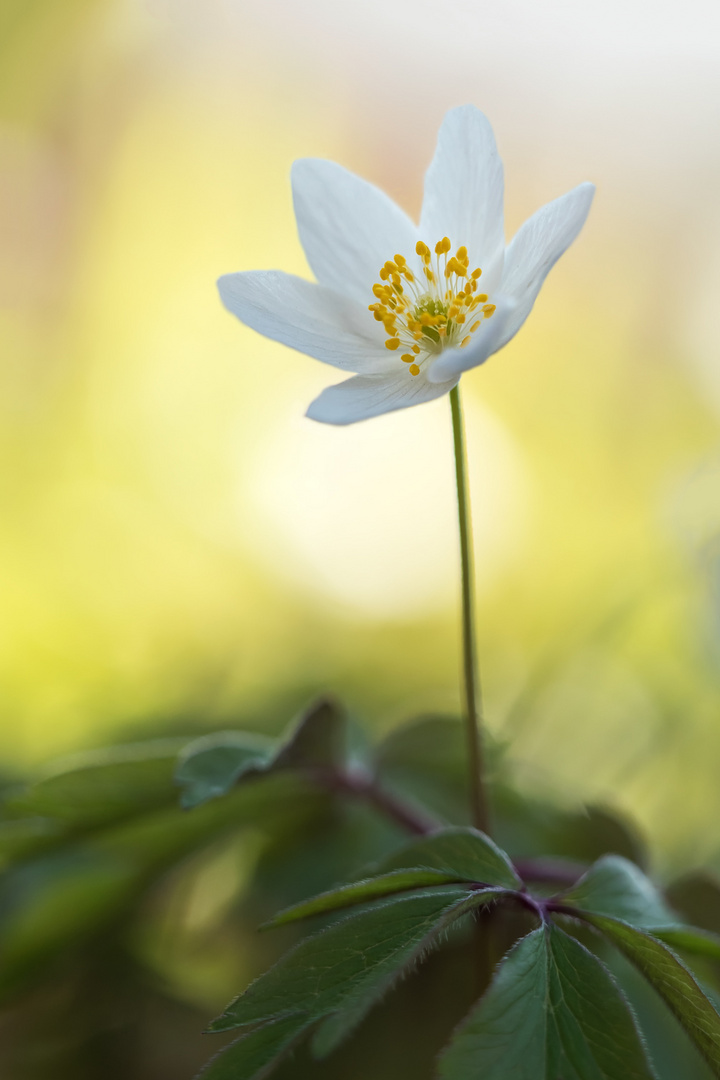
[(471, 676)]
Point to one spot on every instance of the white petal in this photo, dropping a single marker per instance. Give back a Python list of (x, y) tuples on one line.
[(464, 189), (486, 340), (372, 395), (348, 227), (307, 317), (537, 246)]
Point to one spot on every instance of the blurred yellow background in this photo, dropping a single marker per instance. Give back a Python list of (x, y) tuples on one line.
[(175, 534)]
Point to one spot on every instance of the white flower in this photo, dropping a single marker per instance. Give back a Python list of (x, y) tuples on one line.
[(391, 301)]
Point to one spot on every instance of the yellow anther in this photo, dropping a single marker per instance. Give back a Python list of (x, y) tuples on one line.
[(421, 316), (454, 266)]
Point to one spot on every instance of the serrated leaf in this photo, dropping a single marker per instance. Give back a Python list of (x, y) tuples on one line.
[(459, 850), (673, 1055), (253, 1056), (616, 887), (361, 892), (353, 960), (552, 1010), (211, 765), (335, 1028), (317, 740), (672, 980)]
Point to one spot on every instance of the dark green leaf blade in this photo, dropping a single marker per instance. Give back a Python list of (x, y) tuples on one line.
[(672, 980), (458, 850), (616, 887), (317, 740), (211, 765), (359, 956), (361, 892), (335, 1028), (552, 1010), (252, 1056)]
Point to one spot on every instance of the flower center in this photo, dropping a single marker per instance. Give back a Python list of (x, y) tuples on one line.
[(436, 309)]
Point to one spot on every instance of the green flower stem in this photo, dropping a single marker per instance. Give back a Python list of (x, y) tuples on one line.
[(473, 700)]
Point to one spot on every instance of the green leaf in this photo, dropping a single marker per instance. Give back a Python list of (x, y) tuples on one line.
[(616, 887), (552, 1010), (351, 963), (360, 892), (63, 896), (252, 1056), (690, 939), (697, 897), (20, 837), (593, 832), (425, 760), (96, 787), (336, 1028), (464, 852), (212, 764), (317, 740), (54, 902), (672, 980)]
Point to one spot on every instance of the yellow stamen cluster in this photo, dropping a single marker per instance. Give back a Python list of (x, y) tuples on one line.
[(425, 316)]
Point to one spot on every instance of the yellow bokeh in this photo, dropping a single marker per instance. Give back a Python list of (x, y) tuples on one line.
[(176, 536)]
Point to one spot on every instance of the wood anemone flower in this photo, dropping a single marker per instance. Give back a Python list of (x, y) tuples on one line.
[(407, 308)]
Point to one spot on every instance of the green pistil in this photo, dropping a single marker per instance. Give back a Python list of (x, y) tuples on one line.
[(430, 307)]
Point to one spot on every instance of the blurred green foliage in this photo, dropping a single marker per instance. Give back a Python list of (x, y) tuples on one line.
[(126, 922)]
